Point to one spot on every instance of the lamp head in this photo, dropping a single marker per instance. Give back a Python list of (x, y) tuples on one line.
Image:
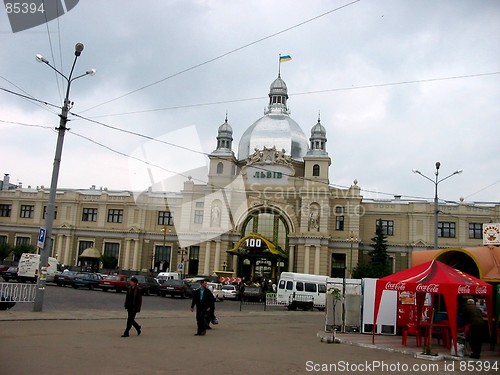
[(41, 59), (438, 164), (78, 49), (459, 171), (91, 72), (415, 171)]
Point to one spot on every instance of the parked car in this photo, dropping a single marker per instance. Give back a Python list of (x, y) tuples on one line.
[(10, 274), (231, 292), (116, 282), (6, 301), (65, 278), (86, 280), (148, 284), (253, 294), (3, 269), (217, 291), (176, 288)]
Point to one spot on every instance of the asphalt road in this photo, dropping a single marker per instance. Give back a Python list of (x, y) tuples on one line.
[(58, 298)]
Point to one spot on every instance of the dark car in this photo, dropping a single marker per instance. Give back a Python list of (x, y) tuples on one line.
[(176, 288), (86, 280), (148, 284), (6, 301), (10, 274), (65, 278), (116, 282), (253, 294)]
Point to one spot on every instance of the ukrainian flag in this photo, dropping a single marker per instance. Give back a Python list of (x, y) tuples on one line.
[(285, 58)]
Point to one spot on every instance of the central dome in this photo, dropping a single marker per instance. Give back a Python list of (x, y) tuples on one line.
[(275, 128)]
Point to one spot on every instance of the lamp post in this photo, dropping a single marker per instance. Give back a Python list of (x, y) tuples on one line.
[(436, 182), (182, 252), (352, 238), (49, 215)]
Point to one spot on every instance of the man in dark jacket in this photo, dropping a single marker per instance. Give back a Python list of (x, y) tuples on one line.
[(204, 301), (473, 317), (133, 302)]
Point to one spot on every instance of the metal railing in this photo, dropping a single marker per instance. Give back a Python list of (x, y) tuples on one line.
[(18, 292)]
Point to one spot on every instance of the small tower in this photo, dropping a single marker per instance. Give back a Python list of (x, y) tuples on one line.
[(317, 161), (222, 160)]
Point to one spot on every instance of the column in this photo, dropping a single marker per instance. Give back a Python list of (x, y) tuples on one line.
[(59, 248), (217, 256), (206, 266), (235, 265), (67, 252), (126, 260), (291, 258), (316, 259), (135, 263), (306, 258)]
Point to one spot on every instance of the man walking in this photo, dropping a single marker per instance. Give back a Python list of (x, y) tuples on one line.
[(133, 302), (474, 319), (205, 305)]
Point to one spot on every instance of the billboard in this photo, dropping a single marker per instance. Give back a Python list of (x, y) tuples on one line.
[(491, 234)]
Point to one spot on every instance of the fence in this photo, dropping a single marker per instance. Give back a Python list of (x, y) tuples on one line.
[(268, 301), (18, 292)]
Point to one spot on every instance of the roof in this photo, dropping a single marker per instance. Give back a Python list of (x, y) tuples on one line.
[(90, 252)]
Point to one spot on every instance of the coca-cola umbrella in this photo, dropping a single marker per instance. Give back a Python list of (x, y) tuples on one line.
[(435, 277)]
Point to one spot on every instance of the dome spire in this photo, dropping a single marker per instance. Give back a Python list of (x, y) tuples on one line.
[(278, 95), (225, 137)]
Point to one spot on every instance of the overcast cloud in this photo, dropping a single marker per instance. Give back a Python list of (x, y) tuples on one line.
[(342, 66)]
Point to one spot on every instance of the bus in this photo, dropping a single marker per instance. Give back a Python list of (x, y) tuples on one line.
[(301, 290)]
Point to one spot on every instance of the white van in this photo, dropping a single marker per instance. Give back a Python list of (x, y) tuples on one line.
[(301, 290), (162, 276), (27, 269)]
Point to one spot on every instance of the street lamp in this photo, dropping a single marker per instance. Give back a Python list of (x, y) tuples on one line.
[(352, 239), (436, 182), (49, 215)]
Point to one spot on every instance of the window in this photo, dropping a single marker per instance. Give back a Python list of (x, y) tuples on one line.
[(310, 287), (45, 212), (3, 240), (220, 168), (23, 241), (339, 222), (475, 230), (446, 229), (112, 249), (162, 258), (115, 216), (338, 265), (5, 210), (200, 204), (315, 170), (27, 211), (289, 285), (82, 245), (339, 209), (193, 259), (198, 217), (299, 286), (165, 218), (387, 227), (89, 214)]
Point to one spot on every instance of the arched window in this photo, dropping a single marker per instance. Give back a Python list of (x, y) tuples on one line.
[(220, 168), (268, 224), (315, 170)]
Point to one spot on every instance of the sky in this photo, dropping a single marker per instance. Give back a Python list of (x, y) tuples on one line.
[(398, 85)]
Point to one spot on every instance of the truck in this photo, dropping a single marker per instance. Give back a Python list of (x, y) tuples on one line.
[(300, 290), (27, 269)]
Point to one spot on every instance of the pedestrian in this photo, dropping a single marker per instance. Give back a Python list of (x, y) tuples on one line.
[(133, 302), (204, 301), (473, 318)]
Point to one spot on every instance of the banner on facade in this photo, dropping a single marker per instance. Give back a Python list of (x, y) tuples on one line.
[(491, 234)]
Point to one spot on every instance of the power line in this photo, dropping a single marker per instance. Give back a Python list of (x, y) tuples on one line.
[(223, 55)]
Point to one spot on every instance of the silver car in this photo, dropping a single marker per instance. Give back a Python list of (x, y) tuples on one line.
[(230, 292)]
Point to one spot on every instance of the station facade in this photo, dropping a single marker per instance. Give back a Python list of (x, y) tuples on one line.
[(270, 208)]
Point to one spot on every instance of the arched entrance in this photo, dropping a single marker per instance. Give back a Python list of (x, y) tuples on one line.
[(460, 261)]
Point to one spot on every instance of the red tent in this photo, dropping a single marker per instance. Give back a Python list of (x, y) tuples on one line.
[(436, 278)]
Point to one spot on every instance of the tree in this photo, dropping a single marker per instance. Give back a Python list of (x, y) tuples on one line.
[(5, 250), (18, 250), (108, 261), (379, 260)]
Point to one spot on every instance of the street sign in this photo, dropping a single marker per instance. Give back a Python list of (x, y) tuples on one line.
[(41, 237)]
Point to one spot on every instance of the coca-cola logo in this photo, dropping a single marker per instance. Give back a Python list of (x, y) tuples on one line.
[(395, 286), (481, 289), (464, 289), (427, 288)]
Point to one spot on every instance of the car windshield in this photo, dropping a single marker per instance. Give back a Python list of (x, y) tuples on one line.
[(228, 287)]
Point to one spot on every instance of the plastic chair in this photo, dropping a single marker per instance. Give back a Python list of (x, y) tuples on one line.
[(411, 330)]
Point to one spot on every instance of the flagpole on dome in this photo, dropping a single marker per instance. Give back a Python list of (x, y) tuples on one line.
[(279, 66)]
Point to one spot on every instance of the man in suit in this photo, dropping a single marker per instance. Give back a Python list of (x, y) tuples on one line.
[(204, 301), (133, 302)]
